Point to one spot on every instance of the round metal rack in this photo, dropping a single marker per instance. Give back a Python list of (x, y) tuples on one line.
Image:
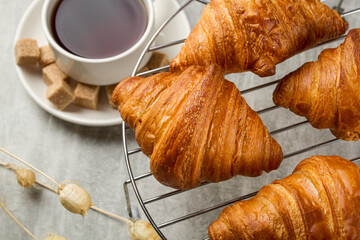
[(130, 152)]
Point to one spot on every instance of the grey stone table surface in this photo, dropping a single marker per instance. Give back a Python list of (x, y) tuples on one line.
[(93, 156)]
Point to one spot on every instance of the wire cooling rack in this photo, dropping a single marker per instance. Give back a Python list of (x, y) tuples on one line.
[(144, 203)]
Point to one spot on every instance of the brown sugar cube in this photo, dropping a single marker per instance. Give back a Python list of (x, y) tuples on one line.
[(46, 56), (60, 94), (109, 90), (52, 73), (157, 60), (144, 69), (26, 51), (87, 95)]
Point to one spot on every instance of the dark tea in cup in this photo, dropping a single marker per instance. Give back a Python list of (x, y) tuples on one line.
[(98, 28)]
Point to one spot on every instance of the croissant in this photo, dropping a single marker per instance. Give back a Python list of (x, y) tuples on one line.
[(320, 200), (195, 127), (255, 35), (327, 91)]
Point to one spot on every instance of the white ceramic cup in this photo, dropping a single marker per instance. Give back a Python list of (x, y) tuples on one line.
[(104, 71)]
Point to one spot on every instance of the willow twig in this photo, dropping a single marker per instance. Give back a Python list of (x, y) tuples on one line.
[(46, 186), (30, 166), (3, 164), (109, 214), (17, 221)]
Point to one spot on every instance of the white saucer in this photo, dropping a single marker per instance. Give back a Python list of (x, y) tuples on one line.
[(30, 27)]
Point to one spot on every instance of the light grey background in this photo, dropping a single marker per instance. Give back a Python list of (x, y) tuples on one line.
[(94, 156)]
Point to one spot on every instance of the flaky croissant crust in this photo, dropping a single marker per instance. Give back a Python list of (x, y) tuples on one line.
[(320, 200), (327, 91), (195, 127), (255, 35)]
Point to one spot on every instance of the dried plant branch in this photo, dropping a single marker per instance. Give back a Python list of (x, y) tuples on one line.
[(30, 166), (46, 186), (2, 205), (10, 166), (3, 164), (109, 214)]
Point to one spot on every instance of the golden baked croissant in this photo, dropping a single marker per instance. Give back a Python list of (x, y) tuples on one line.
[(195, 127), (327, 91), (256, 35), (320, 200)]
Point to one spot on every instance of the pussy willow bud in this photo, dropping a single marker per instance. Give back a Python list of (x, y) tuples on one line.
[(75, 199), (142, 230), (25, 177), (53, 236)]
